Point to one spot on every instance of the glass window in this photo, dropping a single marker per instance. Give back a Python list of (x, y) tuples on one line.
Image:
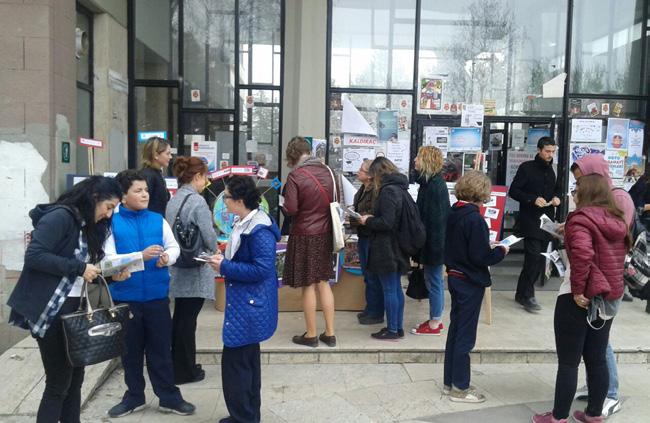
[(502, 51), (606, 53), (259, 35), (83, 57), (156, 39), (373, 44), (259, 129), (209, 53), (584, 108), (156, 111)]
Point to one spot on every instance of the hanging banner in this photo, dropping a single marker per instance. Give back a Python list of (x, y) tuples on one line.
[(359, 140)]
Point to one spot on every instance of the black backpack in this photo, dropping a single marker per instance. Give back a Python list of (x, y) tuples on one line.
[(412, 233)]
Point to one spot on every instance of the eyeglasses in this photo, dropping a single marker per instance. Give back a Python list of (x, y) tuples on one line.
[(227, 197)]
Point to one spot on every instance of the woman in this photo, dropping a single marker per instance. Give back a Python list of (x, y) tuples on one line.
[(468, 255), (68, 237), (252, 292), (597, 240), (364, 203), (433, 204), (308, 192), (137, 229), (190, 286), (156, 155), (386, 260)]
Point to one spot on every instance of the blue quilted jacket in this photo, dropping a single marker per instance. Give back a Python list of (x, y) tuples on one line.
[(252, 285)]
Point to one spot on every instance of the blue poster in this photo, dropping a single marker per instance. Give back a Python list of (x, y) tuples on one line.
[(145, 135), (617, 133), (534, 134), (387, 125), (465, 139)]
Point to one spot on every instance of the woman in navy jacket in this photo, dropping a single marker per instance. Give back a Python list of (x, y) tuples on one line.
[(251, 298), (67, 238)]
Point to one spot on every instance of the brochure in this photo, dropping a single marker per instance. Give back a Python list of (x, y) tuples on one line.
[(556, 259), (509, 241), (547, 225), (113, 265)]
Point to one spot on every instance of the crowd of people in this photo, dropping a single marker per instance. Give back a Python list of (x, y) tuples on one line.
[(133, 212)]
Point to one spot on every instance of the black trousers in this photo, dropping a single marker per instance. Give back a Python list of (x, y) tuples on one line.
[(241, 379), (61, 399), (533, 268), (149, 333), (574, 339), (186, 311)]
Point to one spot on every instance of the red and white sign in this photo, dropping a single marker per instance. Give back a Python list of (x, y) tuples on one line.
[(242, 170), (360, 140), (89, 142), (221, 173), (493, 210)]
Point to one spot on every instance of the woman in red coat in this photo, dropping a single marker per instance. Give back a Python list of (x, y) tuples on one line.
[(597, 240)]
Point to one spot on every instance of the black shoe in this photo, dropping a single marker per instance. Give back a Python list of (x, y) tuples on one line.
[(385, 335), (123, 409), (227, 420), (531, 305), (369, 320), (627, 297), (199, 376), (361, 315), (184, 408), (330, 341), (520, 300), (305, 340)]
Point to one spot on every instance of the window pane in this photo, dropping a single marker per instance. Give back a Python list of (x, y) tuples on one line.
[(209, 53), (606, 53), (259, 129), (83, 61), (260, 49), (156, 39), (632, 109), (210, 127), (502, 50), (369, 105), (373, 43), (156, 111), (84, 128)]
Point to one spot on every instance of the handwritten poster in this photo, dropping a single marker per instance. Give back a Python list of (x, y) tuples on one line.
[(586, 130), (353, 157)]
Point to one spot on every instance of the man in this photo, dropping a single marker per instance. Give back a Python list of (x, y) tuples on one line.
[(596, 164), (536, 189)]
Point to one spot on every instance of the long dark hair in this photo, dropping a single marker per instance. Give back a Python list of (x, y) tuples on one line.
[(379, 168), (84, 197)]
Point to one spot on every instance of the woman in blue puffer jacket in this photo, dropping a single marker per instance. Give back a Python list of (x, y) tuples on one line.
[(251, 298)]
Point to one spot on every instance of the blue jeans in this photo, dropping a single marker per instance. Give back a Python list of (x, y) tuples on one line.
[(612, 390), (393, 298), (436, 286), (374, 292)]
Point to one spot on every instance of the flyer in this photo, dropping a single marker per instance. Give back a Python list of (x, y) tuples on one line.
[(617, 133), (635, 138), (437, 136), (586, 130), (616, 160), (518, 138), (465, 139), (430, 94), (472, 115), (353, 157), (634, 167), (207, 150), (490, 107), (387, 125), (399, 153)]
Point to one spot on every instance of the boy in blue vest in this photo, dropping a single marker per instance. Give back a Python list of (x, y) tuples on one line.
[(149, 331)]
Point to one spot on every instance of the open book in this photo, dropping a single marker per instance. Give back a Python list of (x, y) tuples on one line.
[(112, 265)]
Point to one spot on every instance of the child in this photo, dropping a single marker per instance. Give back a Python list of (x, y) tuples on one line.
[(135, 228), (468, 254)]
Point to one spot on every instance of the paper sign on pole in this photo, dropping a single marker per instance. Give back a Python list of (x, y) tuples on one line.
[(242, 170), (353, 122), (221, 173), (89, 142)]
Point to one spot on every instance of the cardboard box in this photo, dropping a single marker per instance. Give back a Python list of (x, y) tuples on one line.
[(349, 295)]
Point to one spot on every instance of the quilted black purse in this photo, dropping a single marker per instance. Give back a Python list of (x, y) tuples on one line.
[(189, 240), (637, 267), (93, 335)]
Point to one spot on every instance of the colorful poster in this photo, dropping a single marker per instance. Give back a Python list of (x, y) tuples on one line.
[(430, 95), (207, 150), (465, 139), (587, 130), (616, 160), (490, 107), (534, 134), (387, 125), (635, 138), (634, 167), (578, 151), (617, 133), (437, 136)]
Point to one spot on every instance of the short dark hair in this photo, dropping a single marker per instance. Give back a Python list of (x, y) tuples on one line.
[(243, 188), (544, 141), (126, 177), (574, 167)]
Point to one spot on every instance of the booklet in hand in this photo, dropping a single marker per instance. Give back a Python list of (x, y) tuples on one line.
[(547, 225), (509, 241), (112, 265)]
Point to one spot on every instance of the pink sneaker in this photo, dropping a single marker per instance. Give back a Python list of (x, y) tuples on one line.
[(425, 329), (547, 418), (581, 416)]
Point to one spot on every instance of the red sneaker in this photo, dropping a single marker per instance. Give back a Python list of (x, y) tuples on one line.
[(425, 329)]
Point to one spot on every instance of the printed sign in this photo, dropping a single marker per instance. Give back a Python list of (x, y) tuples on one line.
[(89, 142), (144, 136)]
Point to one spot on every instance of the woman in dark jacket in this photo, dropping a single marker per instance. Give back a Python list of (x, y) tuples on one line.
[(364, 203), (308, 192), (433, 204), (597, 240), (252, 292), (156, 155), (68, 237), (386, 260)]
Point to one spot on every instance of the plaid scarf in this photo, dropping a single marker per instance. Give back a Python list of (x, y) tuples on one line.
[(60, 294)]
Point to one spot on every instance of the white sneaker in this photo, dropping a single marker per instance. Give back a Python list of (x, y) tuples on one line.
[(582, 393), (611, 406), (446, 389), (468, 395)]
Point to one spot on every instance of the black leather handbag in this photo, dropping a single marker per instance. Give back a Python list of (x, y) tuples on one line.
[(93, 335), (417, 288), (189, 240)]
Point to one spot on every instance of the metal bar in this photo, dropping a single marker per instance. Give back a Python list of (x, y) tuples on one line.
[(235, 134), (260, 86), (328, 79), (563, 153), (202, 110), (415, 129), (608, 96), (155, 83), (131, 140), (181, 74), (280, 116), (353, 90)]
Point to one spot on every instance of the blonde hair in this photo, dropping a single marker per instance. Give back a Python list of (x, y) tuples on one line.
[(154, 146), (430, 161), (366, 164), (473, 187), (379, 168)]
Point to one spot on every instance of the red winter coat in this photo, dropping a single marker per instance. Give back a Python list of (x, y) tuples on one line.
[(595, 242), (304, 201)]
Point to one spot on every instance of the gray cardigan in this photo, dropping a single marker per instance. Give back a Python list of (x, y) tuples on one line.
[(193, 282)]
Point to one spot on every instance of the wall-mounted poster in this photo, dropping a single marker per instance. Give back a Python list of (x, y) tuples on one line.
[(616, 160), (586, 130), (472, 115), (353, 157), (437, 136), (387, 125), (430, 95), (399, 152), (635, 138), (578, 151), (207, 150), (634, 167), (465, 139), (534, 134), (617, 133)]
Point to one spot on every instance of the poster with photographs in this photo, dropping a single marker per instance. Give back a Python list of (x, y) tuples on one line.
[(430, 91)]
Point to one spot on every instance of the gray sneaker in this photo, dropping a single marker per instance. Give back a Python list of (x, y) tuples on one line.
[(611, 406), (531, 305), (470, 395)]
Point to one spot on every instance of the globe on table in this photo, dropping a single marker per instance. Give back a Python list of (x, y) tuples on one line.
[(225, 220)]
